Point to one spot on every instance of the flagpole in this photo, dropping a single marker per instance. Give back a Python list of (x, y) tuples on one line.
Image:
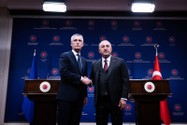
[(164, 110), (34, 52), (156, 47), (28, 105)]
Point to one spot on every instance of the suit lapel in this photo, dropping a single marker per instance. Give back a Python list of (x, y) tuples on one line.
[(110, 68), (98, 65), (74, 60), (83, 64)]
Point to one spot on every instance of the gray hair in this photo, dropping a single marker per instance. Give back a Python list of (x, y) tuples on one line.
[(77, 34)]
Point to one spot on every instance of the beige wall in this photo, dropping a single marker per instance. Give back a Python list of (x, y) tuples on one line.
[(5, 43)]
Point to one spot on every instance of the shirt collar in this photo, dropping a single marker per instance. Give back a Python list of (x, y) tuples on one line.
[(108, 59), (75, 53)]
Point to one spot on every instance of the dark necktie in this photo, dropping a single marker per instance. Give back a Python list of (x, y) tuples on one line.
[(105, 65), (79, 62)]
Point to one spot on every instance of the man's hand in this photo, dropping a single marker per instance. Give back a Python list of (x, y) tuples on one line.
[(122, 104), (85, 80), (85, 100)]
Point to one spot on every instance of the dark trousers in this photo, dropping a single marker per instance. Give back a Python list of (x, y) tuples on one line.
[(69, 113), (104, 109)]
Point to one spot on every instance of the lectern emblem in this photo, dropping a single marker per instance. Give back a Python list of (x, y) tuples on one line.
[(149, 87), (45, 86)]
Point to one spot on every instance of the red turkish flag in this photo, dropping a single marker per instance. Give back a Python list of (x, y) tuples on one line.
[(164, 110)]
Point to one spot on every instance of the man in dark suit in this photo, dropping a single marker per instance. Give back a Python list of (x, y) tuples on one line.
[(110, 77), (72, 93)]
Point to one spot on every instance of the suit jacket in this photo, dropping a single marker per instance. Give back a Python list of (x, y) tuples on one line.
[(71, 88), (118, 79)]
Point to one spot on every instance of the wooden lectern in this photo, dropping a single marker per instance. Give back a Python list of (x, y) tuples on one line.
[(147, 95), (43, 93)]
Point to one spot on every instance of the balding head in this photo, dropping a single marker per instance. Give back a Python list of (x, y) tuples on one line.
[(105, 48)]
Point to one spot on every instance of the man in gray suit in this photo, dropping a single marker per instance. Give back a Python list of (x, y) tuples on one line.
[(110, 77)]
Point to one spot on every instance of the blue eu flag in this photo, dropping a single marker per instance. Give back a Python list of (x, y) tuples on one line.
[(28, 105)]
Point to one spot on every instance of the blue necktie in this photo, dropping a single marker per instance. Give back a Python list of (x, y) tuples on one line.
[(79, 62)]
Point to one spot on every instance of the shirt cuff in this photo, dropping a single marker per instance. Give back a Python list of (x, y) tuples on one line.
[(124, 99)]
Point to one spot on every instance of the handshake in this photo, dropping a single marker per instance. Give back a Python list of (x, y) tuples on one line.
[(85, 80)]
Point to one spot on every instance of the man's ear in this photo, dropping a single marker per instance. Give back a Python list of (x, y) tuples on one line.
[(99, 51)]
